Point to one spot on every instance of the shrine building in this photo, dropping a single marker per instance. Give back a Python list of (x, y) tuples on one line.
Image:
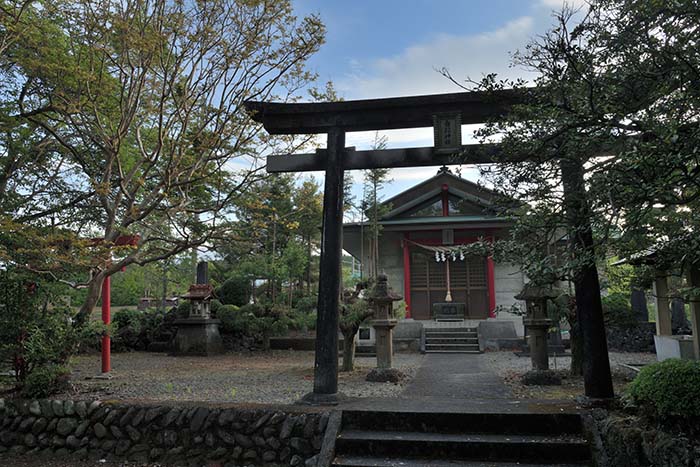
[(416, 248)]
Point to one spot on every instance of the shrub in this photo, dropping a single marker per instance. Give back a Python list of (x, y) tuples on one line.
[(668, 388), (183, 309), (45, 381), (617, 310), (37, 333), (234, 291), (302, 321), (400, 310), (233, 320), (91, 335), (135, 330), (306, 304)]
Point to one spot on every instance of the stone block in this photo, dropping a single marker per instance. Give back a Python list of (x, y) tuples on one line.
[(493, 332), (198, 336)]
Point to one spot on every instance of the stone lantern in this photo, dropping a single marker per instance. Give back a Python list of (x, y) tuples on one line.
[(536, 322), (384, 322), (198, 334)]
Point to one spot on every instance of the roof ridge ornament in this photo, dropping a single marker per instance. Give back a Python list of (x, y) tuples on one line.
[(444, 170)]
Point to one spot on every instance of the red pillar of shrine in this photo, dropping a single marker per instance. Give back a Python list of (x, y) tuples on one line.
[(106, 319), (407, 275)]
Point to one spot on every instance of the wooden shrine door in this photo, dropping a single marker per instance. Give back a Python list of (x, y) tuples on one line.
[(468, 280)]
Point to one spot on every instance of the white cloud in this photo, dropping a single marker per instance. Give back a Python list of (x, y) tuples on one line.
[(558, 4), (414, 72)]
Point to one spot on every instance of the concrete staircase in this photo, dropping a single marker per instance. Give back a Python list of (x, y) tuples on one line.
[(451, 340), (409, 439)]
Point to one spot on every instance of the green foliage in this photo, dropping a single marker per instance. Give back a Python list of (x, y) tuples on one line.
[(182, 310), (400, 310), (233, 321), (45, 381), (36, 332), (135, 330), (129, 286), (234, 291), (254, 320), (354, 314), (667, 389), (617, 310), (77, 155), (302, 321), (306, 304)]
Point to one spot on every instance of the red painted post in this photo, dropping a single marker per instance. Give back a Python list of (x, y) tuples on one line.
[(407, 276), (445, 200), (491, 279), (106, 319)]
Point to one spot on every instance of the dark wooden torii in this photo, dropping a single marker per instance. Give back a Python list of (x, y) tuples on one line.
[(337, 118)]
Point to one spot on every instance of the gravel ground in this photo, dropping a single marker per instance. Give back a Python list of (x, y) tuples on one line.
[(510, 367), (273, 377)]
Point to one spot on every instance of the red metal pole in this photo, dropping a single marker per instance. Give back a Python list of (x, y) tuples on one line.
[(106, 319), (491, 279), (407, 276)]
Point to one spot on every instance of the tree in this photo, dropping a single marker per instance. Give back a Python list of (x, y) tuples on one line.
[(138, 104), (375, 180), (308, 200), (353, 312), (603, 149)]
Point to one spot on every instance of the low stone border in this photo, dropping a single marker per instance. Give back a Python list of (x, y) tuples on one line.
[(181, 434)]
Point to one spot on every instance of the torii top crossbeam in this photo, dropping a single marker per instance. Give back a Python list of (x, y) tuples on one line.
[(381, 114)]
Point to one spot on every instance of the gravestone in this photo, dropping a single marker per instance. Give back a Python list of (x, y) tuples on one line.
[(639, 305), (679, 320)]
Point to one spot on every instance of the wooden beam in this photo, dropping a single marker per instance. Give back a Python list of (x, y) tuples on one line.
[(384, 158), (382, 114)]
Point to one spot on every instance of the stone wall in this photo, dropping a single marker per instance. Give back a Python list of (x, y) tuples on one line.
[(184, 434), (622, 440), (635, 338)]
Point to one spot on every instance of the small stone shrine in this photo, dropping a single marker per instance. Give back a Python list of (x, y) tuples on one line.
[(537, 323), (198, 334)]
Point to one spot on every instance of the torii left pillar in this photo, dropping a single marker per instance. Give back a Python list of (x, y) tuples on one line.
[(326, 360)]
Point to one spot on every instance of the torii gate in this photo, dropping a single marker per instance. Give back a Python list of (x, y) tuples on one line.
[(445, 113)]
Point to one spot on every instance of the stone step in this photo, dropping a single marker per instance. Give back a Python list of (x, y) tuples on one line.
[(452, 340), (463, 423), (453, 351), (370, 461), (477, 447), (447, 346), (451, 335), (455, 329)]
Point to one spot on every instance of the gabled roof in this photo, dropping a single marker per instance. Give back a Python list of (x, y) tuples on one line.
[(482, 199)]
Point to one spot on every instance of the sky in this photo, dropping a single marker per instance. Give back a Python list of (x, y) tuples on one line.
[(389, 48)]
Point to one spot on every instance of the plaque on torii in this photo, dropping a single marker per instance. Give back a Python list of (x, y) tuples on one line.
[(444, 112)]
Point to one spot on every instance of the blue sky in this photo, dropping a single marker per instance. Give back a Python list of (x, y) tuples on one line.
[(386, 48)]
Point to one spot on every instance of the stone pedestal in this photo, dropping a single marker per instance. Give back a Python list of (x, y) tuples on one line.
[(383, 329), (198, 336), (537, 341), (537, 323)]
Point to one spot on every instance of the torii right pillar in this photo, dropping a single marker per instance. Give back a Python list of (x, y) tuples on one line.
[(693, 277), (663, 307)]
